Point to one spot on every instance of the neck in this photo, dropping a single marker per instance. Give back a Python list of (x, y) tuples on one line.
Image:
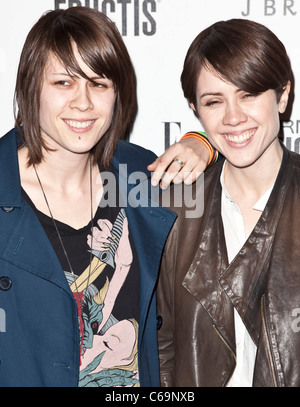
[(68, 172), (253, 181), (66, 182)]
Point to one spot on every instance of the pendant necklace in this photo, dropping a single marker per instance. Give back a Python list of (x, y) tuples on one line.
[(57, 230)]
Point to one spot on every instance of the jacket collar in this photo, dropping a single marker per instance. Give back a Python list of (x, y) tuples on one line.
[(210, 261), (20, 225), (10, 187)]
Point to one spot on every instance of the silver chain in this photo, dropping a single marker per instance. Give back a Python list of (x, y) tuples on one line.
[(56, 228)]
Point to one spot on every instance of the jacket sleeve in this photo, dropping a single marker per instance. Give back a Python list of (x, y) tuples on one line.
[(166, 311)]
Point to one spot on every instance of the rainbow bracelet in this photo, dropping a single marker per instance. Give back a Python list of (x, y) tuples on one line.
[(199, 135)]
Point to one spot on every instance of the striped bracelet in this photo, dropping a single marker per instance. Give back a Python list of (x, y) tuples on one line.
[(199, 135)]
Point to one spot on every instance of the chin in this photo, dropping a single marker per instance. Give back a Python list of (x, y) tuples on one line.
[(240, 163)]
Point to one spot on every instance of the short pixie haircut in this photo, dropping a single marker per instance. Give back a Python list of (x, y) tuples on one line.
[(101, 47), (243, 52)]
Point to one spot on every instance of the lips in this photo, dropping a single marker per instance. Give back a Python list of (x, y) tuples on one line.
[(239, 138), (79, 125)]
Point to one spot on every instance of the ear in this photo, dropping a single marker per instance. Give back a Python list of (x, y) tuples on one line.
[(284, 98), (195, 110), (193, 106)]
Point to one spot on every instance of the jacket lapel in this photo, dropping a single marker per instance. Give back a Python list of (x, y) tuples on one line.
[(210, 261), (10, 187), (23, 241), (29, 249), (246, 277)]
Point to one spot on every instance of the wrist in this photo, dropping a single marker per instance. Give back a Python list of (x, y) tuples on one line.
[(213, 153)]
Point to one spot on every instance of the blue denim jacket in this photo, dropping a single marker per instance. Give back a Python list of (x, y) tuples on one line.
[(40, 343)]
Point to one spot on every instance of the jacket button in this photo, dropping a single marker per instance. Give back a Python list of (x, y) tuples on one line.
[(7, 209), (158, 322), (5, 283)]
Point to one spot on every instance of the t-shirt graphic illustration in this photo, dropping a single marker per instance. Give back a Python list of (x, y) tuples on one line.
[(108, 344), (105, 285)]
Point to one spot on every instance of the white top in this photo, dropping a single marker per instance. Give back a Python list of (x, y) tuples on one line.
[(235, 238)]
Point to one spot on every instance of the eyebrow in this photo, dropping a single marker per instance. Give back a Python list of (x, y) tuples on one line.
[(70, 75), (210, 94), (217, 93), (60, 73)]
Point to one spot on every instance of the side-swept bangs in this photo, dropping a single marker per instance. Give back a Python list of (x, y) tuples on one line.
[(101, 47), (242, 52)]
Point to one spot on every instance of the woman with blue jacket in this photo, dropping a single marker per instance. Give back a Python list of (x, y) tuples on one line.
[(81, 236)]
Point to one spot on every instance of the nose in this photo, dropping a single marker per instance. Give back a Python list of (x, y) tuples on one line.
[(81, 98), (234, 114)]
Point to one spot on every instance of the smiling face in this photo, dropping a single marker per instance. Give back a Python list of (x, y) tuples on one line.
[(242, 126), (103, 50), (74, 112)]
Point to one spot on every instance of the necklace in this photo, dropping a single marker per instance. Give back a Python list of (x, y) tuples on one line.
[(57, 230)]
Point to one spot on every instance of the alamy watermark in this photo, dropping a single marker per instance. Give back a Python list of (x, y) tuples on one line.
[(2, 320), (133, 190), (296, 321)]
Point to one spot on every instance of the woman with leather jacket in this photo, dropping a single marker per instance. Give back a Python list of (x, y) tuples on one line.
[(229, 289)]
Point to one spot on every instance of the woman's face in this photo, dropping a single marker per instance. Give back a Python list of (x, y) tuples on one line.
[(240, 125), (74, 112)]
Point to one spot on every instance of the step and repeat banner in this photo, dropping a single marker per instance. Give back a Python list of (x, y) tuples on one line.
[(157, 34)]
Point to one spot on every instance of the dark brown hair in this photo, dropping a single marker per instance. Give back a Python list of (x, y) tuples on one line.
[(243, 52), (101, 47)]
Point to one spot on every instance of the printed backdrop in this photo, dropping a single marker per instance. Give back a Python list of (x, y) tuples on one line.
[(157, 34)]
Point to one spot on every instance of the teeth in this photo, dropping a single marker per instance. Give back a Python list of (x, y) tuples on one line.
[(241, 138), (79, 125)]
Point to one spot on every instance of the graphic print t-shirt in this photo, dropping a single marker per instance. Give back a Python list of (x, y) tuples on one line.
[(105, 285)]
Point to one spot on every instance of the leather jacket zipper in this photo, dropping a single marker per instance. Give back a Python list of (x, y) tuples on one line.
[(230, 350), (267, 340)]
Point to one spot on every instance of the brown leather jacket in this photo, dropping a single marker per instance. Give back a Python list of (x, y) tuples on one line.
[(198, 290)]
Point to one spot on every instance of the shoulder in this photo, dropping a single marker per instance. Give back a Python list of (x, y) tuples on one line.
[(213, 171), (136, 157), (10, 138), (291, 160), (189, 201), (295, 157), (125, 147), (8, 152)]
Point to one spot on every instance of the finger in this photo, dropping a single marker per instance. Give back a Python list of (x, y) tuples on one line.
[(165, 161), (188, 150), (188, 177), (152, 166), (105, 225), (173, 173), (200, 167), (94, 244), (191, 177), (187, 174), (195, 165), (179, 178), (191, 151), (159, 167), (100, 235)]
